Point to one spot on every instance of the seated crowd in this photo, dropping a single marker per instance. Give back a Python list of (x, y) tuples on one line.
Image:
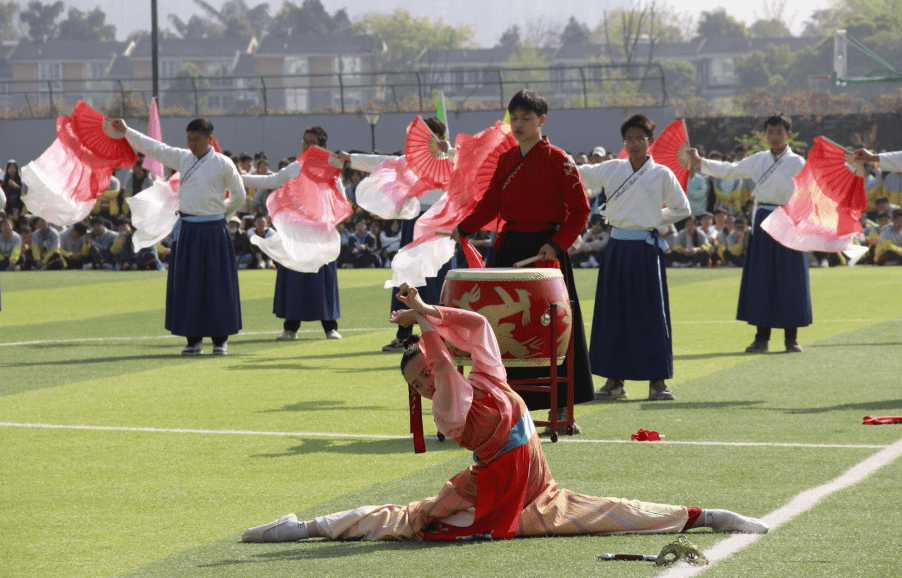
[(716, 235)]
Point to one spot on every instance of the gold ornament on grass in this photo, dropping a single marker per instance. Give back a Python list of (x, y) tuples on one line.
[(681, 549)]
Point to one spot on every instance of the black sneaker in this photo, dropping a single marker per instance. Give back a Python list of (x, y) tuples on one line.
[(758, 346), (395, 345), (792, 346)]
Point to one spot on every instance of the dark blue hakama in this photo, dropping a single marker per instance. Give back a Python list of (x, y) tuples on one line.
[(631, 331), (307, 296), (775, 289), (202, 297)]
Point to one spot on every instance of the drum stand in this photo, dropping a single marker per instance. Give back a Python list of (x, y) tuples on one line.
[(548, 384), (553, 382)]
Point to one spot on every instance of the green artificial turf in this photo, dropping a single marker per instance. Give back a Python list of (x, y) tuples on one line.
[(315, 426)]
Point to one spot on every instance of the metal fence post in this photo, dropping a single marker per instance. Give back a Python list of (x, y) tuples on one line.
[(196, 97), (52, 107), (420, 89), (341, 92), (500, 87), (582, 74), (265, 102)]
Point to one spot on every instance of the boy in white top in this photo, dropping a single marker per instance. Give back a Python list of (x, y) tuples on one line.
[(632, 311), (202, 288), (769, 296)]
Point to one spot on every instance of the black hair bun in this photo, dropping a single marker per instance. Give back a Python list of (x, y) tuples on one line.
[(411, 340)]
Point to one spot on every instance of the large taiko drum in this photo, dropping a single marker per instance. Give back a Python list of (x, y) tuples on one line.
[(516, 302)]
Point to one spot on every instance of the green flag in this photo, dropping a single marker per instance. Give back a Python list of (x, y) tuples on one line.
[(507, 117), (443, 116)]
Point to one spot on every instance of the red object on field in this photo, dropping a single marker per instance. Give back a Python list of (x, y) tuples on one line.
[(644, 435), (885, 420)]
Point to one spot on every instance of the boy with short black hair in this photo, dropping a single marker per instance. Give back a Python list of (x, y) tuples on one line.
[(775, 288), (632, 337)]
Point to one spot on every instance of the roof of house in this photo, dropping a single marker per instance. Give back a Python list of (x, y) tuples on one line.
[(207, 48), (312, 44), (66, 50)]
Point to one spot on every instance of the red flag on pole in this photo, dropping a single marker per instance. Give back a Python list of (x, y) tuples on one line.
[(824, 211)]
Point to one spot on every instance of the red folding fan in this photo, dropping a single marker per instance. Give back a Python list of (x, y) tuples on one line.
[(424, 157), (671, 149), (94, 133)]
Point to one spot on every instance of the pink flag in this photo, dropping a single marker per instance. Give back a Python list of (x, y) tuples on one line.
[(154, 167), (65, 181), (477, 157), (824, 211), (305, 212)]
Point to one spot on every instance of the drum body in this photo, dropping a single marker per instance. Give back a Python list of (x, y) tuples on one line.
[(516, 303)]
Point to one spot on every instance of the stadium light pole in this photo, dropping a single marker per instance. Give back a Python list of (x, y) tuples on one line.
[(372, 117), (154, 51)]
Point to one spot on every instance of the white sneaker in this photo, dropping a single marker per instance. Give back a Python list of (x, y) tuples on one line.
[(287, 336), (727, 521), (333, 334), (221, 349), (195, 349), (285, 529)]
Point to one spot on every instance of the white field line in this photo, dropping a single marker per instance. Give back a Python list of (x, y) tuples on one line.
[(350, 329), (393, 437), (150, 337), (796, 506)]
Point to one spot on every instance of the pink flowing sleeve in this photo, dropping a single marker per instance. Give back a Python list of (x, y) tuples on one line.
[(454, 393)]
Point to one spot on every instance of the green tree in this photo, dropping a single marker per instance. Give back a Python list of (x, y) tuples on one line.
[(680, 80), (188, 89), (40, 19), (196, 27), (717, 23), (86, 26), (10, 28), (510, 38), (575, 33), (822, 23), (405, 37), (310, 17), (642, 26), (770, 28)]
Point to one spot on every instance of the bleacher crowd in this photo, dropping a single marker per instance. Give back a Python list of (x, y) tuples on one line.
[(716, 235)]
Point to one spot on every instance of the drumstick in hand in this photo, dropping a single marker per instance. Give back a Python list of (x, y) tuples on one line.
[(529, 261), (444, 233)]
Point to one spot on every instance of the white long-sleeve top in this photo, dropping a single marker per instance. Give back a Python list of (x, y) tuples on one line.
[(638, 206), (777, 186), (369, 163), (891, 161), (204, 181), (273, 181)]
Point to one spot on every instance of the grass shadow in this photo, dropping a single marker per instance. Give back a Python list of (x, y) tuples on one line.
[(321, 406), (700, 405), (318, 549), (357, 446)]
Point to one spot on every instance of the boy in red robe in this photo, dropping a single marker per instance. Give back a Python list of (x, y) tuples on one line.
[(538, 193)]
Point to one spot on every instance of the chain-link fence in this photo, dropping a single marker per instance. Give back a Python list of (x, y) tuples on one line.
[(600, 85)]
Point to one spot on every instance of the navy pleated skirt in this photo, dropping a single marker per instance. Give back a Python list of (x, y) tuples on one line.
[(202, 298), (775, 289), (516, 246), (307, 296), (631, 331)]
